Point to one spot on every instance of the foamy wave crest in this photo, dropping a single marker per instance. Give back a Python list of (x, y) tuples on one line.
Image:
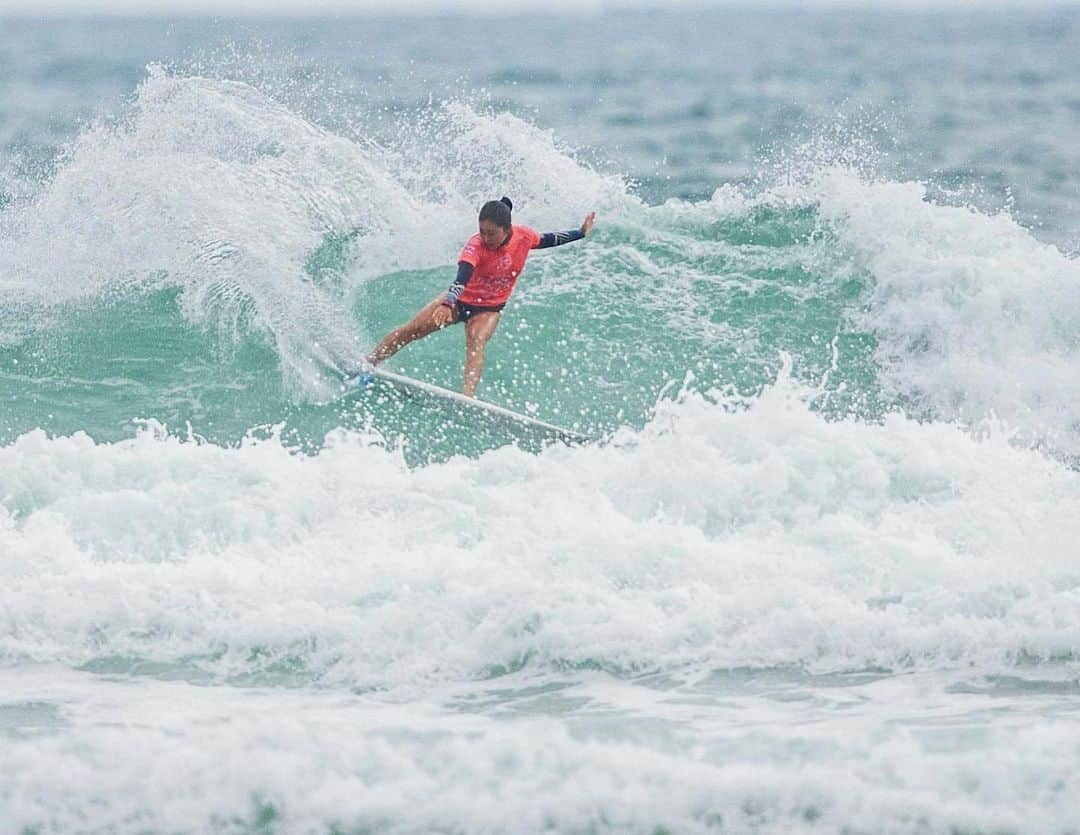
[(718, 537), (975, 317), (212, 187)]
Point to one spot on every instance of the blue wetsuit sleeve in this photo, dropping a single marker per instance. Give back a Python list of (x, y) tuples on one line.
[(464, 273), (549, 239)]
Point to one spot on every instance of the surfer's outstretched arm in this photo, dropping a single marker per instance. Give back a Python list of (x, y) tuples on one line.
[(550, 239)]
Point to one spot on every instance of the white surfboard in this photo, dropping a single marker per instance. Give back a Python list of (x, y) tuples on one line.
[(411, 386)]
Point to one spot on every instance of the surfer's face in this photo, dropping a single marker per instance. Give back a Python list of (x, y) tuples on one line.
[(494, 235)]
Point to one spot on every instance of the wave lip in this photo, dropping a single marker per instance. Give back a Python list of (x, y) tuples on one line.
[(975, 317), (213, 188)]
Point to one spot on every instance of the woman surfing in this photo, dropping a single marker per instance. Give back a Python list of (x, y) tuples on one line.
[(488, 268)]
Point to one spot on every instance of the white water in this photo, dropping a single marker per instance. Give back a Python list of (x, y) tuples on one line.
[(713, 539), (975, 316), (739, 539)]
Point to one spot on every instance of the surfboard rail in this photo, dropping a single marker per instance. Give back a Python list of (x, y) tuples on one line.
[(411, 384)]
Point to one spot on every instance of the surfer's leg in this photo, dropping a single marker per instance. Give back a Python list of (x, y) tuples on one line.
[(478, 330), (421, 325)]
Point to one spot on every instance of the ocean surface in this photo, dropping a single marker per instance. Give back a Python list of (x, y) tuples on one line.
[(819, 572)]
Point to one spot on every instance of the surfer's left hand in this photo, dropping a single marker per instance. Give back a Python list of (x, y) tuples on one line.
[(590, 219)]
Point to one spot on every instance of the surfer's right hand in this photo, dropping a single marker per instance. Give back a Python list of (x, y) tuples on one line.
[(442, 315)]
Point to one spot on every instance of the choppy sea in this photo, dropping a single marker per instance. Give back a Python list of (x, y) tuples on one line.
[(819, 573)]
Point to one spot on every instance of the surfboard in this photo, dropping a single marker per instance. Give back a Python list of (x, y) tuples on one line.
[(418, 388)]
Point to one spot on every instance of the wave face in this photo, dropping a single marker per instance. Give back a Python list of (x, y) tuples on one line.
[(817, 574)]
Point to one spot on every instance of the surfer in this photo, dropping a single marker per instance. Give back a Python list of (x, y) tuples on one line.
[(488, 267)]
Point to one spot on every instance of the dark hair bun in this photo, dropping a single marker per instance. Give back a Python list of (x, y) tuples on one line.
[(506, 200), (497, 211)]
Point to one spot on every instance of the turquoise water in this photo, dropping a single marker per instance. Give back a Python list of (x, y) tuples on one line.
[(818, 572)]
